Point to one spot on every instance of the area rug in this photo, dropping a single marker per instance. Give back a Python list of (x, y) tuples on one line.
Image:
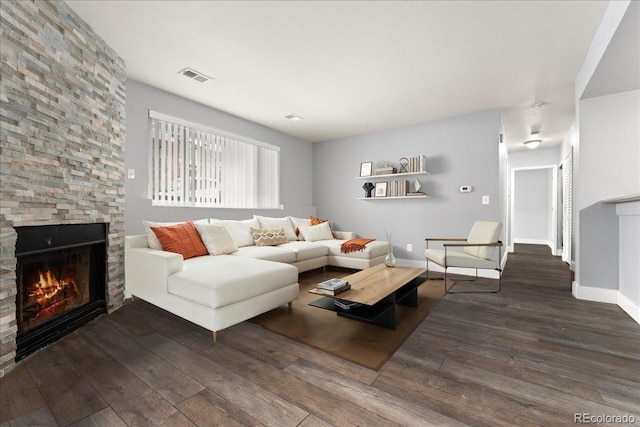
[(362, 343)]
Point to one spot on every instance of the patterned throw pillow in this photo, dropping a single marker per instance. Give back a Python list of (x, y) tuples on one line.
[(182, 239), (268, 236), (272, 223)]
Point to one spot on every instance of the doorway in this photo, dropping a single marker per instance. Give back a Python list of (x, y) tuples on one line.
[(534, 206)]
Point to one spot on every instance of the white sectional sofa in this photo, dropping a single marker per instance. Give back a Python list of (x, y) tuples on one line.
[(243, 279)]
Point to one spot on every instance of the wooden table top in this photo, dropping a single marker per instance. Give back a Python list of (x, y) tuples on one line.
[(375, 283)]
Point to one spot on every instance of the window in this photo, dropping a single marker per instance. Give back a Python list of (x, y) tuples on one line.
[(193, 165)]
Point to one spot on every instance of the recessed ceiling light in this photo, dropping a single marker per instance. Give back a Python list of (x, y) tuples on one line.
[(195, 75), (293, 117)]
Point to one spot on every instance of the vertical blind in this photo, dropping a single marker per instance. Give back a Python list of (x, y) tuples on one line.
[(192, 165), (567, 206)]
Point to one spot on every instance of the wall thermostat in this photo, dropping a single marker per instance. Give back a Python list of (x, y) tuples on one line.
[(466, 189)]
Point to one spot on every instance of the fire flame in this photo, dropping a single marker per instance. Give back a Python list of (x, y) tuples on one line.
[(48, 287)]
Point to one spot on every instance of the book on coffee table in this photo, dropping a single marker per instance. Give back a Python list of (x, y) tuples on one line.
[(332, 284), (334, 291), (331, 287)]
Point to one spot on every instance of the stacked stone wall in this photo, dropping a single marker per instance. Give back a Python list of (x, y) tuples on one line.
[(62, 97)]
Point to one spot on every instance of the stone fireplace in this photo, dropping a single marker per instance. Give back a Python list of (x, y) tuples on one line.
[(62, 163), (60, 281)]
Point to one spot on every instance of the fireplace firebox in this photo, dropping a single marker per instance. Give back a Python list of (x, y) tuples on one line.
[(61, 278)]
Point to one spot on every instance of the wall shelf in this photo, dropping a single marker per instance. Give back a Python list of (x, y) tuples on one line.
[(393, 175), (394, 197)]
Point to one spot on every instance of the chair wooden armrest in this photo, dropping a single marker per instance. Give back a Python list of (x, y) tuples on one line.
[(494, 244)]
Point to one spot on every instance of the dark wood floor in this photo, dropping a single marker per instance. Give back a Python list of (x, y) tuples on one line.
[(531, 355)]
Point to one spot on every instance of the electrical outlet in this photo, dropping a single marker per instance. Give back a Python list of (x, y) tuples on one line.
[(131, 173), (485, 200), (409, 247)]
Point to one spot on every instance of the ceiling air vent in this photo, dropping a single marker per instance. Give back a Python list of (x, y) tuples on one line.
[(195, 75)]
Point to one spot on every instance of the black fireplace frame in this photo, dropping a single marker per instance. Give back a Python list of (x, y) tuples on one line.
[(34, 240)]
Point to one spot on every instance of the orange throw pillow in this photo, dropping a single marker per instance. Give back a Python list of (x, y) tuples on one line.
[(182, 239), (316, 221)]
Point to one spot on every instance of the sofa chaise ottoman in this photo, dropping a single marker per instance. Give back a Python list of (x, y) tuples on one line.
[(214, 292)]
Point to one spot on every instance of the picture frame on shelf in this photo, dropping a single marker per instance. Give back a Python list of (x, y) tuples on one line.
[(381, 189), (366, 168)]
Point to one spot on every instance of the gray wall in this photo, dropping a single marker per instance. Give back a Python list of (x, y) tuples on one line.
[(295, 159), (609, 168), (599, 229), (461, 150)]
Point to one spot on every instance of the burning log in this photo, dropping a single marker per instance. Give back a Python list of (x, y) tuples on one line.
[(48, 295)]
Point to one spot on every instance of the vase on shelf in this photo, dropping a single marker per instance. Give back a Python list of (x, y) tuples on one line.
[(389, 260), (368, 188)]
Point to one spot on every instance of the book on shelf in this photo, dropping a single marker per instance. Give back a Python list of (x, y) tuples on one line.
[(398, 188), (415, 193), (418, 163)]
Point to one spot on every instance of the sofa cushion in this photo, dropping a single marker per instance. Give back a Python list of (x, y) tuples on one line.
[(268, 236), (306, 250), (239, 230), (284, 223), (268, 253), (371, 250), (217, 239), (483, 232), (152, 239), (182, 239), (226, 279), (315, 233)]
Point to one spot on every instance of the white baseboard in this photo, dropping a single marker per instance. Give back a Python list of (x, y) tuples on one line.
[(588, 293), (629, 307), (610, 296)]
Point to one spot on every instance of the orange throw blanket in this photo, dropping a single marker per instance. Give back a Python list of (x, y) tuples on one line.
[(354, 245)]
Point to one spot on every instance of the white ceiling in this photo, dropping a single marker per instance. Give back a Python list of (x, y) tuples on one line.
[(354, 67)]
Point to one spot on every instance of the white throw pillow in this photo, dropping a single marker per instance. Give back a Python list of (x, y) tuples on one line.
[(284, 223), (217, 239), (299, 222), (239, 230), (313, 233)]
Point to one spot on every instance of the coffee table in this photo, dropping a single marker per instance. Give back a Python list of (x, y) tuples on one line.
[(375, 292)]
